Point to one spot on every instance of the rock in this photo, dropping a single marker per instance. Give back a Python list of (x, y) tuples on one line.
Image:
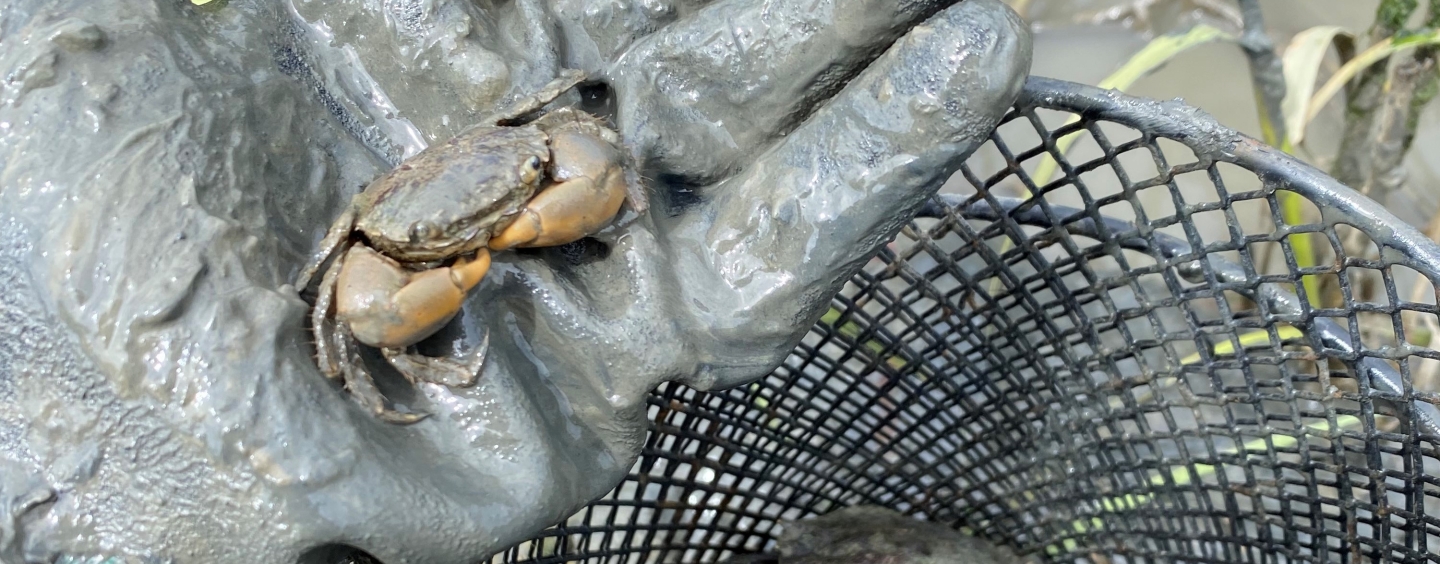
[(875, 535)]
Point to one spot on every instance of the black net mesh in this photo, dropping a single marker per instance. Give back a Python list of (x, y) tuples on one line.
[(1158, 348)]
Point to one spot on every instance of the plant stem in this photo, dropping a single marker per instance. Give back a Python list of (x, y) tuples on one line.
[(1364, 97), (1380, 113), (1266, 71), (1267, 74)]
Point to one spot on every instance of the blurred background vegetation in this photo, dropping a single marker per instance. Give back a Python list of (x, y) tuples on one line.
[(1362, 135), (1345, 85)]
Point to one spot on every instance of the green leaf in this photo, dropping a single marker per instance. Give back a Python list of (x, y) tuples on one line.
[(1160, 51), (1249, 340), (1302, 60), (1149, 59)]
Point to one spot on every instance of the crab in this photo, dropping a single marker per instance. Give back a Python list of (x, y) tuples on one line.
[(410, 247)]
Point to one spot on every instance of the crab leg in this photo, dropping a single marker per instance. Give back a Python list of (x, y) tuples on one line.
[(335, 238), (567, 79), (362, 386), (587, 193), (443, 371), (325, 354)]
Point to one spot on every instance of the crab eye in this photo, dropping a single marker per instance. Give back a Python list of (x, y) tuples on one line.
[(530, 170), (423, 231)]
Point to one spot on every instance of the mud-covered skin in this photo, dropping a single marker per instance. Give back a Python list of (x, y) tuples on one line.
[(427, 231), (168, 169)]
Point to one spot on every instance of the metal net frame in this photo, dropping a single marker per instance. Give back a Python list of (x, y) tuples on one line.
[(1130, 351)]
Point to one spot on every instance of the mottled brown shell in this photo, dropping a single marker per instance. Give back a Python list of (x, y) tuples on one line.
[(448, 199)]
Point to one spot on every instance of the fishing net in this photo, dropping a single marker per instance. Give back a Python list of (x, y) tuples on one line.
[(1165, 342)]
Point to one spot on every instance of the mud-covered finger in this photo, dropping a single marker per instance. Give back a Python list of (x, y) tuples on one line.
[(699, 97), (597, 30), (764, 253)]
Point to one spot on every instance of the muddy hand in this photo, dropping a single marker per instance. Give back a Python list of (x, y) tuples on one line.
[(158, 319)]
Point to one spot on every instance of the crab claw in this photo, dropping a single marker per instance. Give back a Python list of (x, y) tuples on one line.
[(389, 307), (588, 190)]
